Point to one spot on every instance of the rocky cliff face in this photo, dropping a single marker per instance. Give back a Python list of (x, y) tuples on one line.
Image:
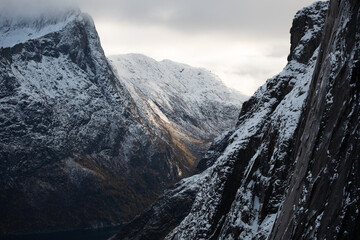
[(289, 170), (322, 201), (75, 148)]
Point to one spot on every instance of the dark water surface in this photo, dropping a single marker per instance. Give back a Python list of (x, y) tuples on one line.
[(101, 234)]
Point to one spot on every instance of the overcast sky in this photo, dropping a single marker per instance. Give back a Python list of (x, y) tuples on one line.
[(243, 41)]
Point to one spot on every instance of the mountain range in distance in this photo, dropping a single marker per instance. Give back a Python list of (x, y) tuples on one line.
[(166, 150)]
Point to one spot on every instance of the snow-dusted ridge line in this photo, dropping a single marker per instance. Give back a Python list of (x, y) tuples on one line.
[(181, 95)]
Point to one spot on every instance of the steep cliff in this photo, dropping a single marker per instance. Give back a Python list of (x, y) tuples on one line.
[(75, 148), (245, 172), (323, 197)]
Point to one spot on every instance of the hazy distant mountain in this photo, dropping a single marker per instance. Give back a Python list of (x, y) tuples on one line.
[(79, 145), (193, 102)]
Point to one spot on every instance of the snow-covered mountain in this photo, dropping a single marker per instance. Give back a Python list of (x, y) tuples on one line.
[(77, 148), (193, 102), (290, 168)]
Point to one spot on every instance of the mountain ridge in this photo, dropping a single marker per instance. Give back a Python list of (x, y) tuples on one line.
[(75, 149)]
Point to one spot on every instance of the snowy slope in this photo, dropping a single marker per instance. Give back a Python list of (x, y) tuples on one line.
[(75, 149), (82, 146), (239, 194), (192, 100)]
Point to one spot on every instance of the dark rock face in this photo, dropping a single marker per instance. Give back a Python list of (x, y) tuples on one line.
[(74, 150), (306, 23), (323, 197), (243, 177)]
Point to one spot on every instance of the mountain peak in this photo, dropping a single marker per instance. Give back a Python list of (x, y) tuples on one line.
[(182, 91)]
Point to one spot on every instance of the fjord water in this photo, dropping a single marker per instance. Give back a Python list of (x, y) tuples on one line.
[(101, 234)]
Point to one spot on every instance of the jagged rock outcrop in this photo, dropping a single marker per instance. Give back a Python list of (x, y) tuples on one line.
[(242, 189), (76, 149)]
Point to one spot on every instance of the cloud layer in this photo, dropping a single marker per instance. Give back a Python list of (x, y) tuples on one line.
[(244, 41), (241, 17)]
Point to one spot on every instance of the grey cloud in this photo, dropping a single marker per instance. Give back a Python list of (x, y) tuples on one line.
[(266, 23), (34, 7), (35, 4), (259, 17)]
